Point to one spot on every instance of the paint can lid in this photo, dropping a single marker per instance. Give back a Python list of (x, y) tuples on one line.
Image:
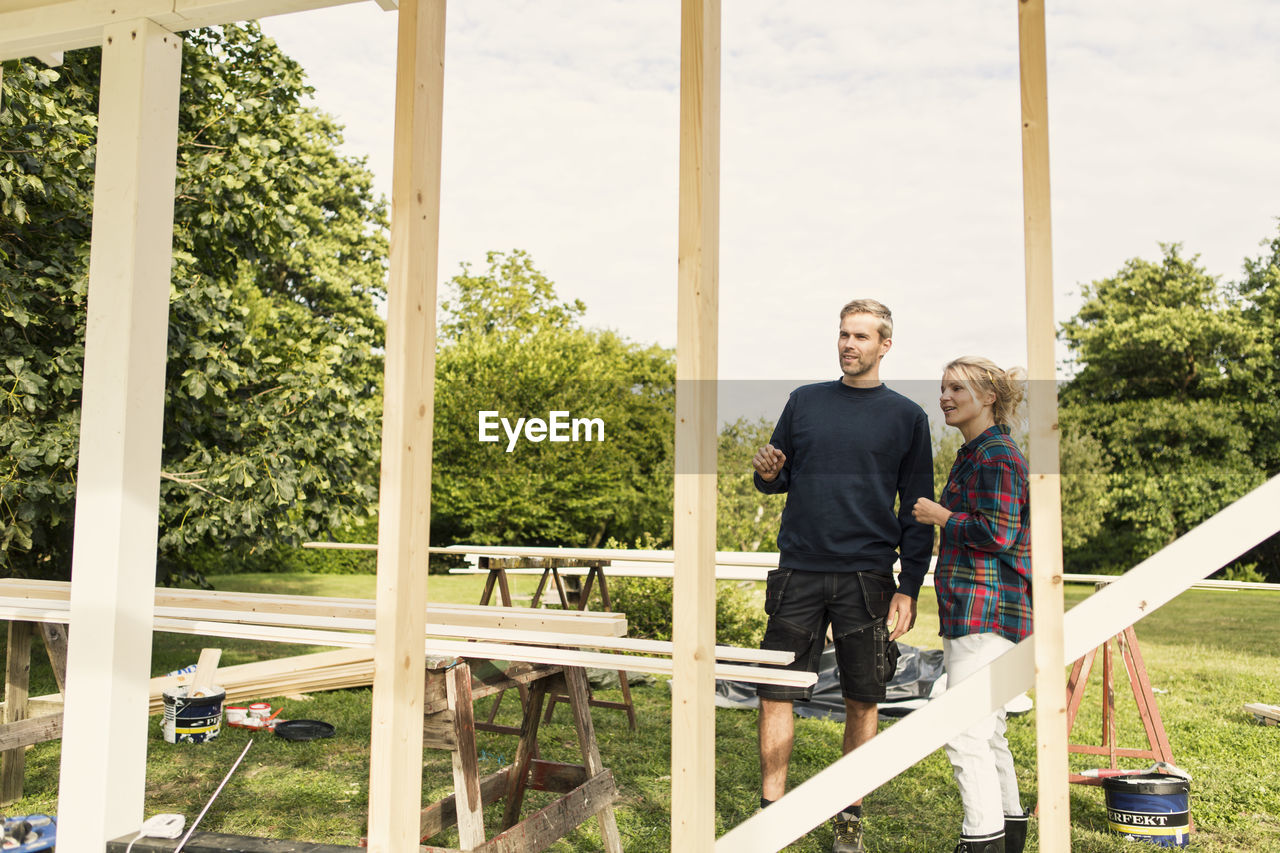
[(1147, 783)]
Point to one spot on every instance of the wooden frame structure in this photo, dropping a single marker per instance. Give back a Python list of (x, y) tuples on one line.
[(112, 602)]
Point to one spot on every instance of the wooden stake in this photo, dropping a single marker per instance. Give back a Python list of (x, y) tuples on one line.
[(206, 670), (1045, 481), (693, 734), (118, 483), (395, 764), (466, 771)]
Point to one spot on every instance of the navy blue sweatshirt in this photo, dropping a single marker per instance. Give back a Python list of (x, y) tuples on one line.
[(850, 453)]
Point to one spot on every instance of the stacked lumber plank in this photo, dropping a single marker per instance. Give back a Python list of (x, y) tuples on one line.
[(563, 637), (310, 673)]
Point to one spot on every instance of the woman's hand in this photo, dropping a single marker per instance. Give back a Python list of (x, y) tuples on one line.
[(929, 512)]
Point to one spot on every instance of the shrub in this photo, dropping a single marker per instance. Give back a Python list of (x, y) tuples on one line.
[(648, 603)]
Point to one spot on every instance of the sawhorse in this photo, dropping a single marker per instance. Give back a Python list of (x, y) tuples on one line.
[(497, 578), (452, 685), (17, 731)]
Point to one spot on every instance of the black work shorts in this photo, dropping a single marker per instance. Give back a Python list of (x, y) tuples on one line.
[(801, 605)]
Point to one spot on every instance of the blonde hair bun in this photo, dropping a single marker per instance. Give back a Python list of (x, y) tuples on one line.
[(985, 375)]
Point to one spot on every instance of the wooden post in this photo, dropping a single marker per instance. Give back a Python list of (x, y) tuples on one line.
[(466, 770), (395, 766), (693, 686), (55, 646), (1045, 481), (104, 744), (17, 683)]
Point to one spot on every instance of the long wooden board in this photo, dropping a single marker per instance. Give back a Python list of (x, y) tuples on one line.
[(168, 616), (518, 618)]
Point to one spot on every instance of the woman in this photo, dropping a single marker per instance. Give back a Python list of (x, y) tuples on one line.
[(983, 584)]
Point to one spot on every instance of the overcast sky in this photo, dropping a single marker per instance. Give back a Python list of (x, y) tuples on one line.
[(868, 149)]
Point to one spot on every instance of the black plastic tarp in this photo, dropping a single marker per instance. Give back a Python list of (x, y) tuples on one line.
[(911, 687)]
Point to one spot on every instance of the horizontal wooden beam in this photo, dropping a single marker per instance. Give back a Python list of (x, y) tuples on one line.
[(51, 611), (43, 29), (521, 618), (30, 731), (557, 633)]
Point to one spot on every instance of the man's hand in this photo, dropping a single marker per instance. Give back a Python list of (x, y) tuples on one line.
[(929, 512), (768, 462), (902, 615)]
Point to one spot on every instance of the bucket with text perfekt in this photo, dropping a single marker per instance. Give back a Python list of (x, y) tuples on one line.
[(192, 720), (1151, 807)]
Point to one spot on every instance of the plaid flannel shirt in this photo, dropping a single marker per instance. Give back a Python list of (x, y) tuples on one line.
[(983, 577)]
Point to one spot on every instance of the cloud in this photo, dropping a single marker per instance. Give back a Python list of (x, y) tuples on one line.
[(867, 149)]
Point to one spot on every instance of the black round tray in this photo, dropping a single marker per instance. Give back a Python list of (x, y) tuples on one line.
[(303, 729)]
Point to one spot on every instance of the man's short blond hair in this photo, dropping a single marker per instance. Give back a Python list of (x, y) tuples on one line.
[(875, 309)]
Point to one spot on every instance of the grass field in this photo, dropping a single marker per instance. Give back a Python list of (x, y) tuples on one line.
[(1208, 653)]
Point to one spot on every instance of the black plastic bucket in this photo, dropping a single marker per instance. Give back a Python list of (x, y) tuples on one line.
[(1151, 807), (192, 720)]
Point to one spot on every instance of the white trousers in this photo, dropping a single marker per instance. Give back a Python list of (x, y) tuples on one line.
[(980, 755)]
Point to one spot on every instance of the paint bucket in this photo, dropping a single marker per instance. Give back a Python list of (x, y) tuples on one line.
[(192, 720), (1152, 807)]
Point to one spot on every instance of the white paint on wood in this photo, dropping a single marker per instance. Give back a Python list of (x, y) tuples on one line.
[(693, 733), (118, 489), (1149, 585), (43, 29), (395, 764)]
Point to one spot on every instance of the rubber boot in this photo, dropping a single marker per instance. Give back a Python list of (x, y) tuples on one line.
[(1015, 833), (993, 843)]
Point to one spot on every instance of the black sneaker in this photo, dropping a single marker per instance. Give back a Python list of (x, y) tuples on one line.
[(848, 836)]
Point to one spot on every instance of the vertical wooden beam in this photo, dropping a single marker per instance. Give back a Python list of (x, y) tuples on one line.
[(121, 418), (466, 768), (575, 679), (17, 684), (693, 686), (395, 771), (1045, 480)]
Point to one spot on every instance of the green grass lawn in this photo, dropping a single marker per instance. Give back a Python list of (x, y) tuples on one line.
[(1208, 653)]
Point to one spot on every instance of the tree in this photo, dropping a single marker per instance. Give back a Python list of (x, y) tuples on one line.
[(1167, 387), (509, 346), (272, 402), (1259, 297), (746, 518)]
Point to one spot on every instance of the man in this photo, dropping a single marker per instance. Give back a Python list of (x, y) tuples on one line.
[(843, 451)]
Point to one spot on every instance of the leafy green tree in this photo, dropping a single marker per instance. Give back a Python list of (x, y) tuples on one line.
[(1166, 386), (508, 345), (1259, 298), (746, 519), (272, 402)]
